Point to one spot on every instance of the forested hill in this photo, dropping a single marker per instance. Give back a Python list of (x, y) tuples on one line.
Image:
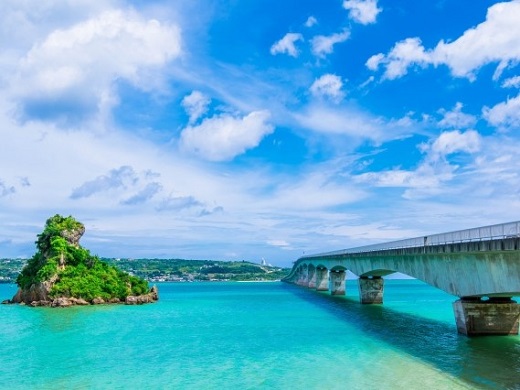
[(158, 270)]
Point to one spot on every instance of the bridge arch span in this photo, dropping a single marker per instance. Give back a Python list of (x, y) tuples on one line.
[(379, 272), (469, 264), (454, 273)]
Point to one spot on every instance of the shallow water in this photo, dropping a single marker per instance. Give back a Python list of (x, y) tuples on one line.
[(254, 336)]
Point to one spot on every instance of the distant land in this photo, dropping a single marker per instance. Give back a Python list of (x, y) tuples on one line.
[(173, 270)]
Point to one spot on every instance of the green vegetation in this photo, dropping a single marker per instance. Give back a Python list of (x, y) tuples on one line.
[(172, 270), (162, 270), (74, 272)]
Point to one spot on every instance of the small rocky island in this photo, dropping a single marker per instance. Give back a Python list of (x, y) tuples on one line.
[(62, 273)]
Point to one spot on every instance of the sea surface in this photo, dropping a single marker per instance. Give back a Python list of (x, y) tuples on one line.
[(253, 336)]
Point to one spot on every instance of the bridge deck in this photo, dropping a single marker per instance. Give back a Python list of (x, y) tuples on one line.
[(470, 264)]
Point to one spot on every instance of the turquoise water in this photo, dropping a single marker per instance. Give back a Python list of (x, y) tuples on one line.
[(253, 336)]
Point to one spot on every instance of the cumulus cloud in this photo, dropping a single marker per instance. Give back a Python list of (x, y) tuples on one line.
[(328, 86), (497, 39), (322, 45), (475, 48), (504, 114), (224, 137), (196, 105), (287, 45), (374, 61), (362, 11), (311, 21), (403, 55), (456, 118), (116, 178), (74, 69), (454, 141)]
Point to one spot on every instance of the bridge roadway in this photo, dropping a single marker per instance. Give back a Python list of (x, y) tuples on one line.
[(481, 266)]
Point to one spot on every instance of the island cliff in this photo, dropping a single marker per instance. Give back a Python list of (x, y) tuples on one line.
[(62, 273)]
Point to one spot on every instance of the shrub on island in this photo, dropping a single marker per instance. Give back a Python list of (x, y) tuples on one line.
[(62, 273)]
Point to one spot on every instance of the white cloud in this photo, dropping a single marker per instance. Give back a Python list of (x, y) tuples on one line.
[(319, 188), (475, 48), (311, 21), (196, 105), (499, 70), (362, 11), (374, 61), (224, 137), (279, 243), (74, 69), (505, 114), (23, 22), (424, 176), (287, 45), (342, 120), (465, 55), (512, 82), (329, 86), (400, 58), (427, 179), (348, 121), (455, 141), (323, 45), (456, 118)]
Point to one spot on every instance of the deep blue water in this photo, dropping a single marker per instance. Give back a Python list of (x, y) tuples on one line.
[(253, 336)]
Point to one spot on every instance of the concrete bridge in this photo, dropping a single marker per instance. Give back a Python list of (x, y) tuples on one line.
[(481, 266)]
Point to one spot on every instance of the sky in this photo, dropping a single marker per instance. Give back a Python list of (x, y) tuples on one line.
[(256, 129)]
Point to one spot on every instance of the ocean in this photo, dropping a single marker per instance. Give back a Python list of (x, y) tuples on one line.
[(224, 335)]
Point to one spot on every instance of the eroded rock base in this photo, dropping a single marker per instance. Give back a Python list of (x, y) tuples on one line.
[(151, 297)]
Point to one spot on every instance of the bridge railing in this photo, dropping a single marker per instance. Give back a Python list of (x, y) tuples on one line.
[(484, 233)]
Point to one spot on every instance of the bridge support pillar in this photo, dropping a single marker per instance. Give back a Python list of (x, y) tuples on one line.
[(298, 276), (302, 278), (337, 282), (322, 279), (496, 316), (371, 289), (312, 277)]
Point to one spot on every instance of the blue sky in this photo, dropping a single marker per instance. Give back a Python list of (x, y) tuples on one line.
[(242, 130)]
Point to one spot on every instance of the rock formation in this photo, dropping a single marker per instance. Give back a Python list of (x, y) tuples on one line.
[(63, 274)]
